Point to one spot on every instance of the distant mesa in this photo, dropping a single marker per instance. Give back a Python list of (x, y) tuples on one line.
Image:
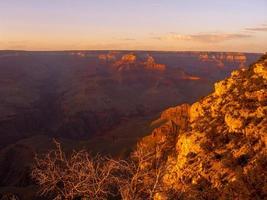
[(231, 57), (128, 58), (221, 58), (185, 76), (79, 54), (107, 57), (152, 65), (130, 62), (193, 78)]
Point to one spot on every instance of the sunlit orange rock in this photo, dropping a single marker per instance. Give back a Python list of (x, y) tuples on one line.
[(260, 70), (160, 196), (234, 123), (221, 151), (179, 115), (128, 58)]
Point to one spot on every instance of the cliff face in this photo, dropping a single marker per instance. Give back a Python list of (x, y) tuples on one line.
[(217, 146)]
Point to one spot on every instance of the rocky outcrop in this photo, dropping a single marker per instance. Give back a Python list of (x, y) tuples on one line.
[(179, 115), (219, 150), (79, 54)]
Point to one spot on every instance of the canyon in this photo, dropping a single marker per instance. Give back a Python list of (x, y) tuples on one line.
[(82, 94), (106, 101)]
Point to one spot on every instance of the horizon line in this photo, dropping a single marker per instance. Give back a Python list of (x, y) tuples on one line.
[(136, 50)]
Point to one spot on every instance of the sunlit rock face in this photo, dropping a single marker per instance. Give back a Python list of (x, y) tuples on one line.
[(129, 58), (196, 111), (260, 70), (221, 152), (126, 63), (179, 114)]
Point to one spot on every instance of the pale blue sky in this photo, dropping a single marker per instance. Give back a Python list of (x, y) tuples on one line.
[(224, 25)]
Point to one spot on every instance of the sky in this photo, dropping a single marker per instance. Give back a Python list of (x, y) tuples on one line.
[(169, 25)]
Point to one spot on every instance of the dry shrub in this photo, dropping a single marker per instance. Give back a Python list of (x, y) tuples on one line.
[(140, 178), (83, 176), (76, 176)]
